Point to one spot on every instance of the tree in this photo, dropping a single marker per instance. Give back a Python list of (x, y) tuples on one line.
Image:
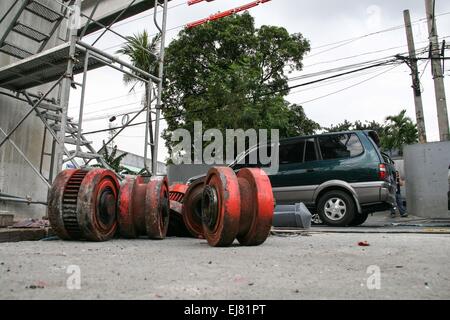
[(357, 125), (230, 75), (396, 132), (369, 125), (340, 127), (399, 131), (142, 53), (112, 159)]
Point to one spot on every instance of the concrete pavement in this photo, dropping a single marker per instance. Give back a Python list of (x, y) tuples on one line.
[(315, 266)]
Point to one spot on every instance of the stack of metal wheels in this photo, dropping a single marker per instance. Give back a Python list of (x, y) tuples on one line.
[(222, 207), (92, 205)]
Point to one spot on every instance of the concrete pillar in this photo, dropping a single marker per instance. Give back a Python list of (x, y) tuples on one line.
[(427, 179)]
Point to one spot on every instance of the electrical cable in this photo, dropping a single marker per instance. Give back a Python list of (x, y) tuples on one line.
[(376, 32), (349, 87), (273, 92)]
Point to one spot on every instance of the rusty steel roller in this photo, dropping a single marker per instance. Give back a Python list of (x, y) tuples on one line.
[(237, 207), (144, 207), (257, 207), (192, 208), (83, 204)]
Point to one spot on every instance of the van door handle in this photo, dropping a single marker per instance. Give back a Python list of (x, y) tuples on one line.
[(310, 170)]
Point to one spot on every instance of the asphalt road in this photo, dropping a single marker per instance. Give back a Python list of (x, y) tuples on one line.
[(319, 266)]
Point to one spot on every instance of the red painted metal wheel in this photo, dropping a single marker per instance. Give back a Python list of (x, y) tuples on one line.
[(126, 217), (83, 204), (98, 196), (157, 199), (221, 207), (192, 208), (257, 206), (144, 207)]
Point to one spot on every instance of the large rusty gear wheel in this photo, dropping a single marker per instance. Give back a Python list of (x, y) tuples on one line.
[(237, 207), (83, 204), (192, 208), (144, 207)]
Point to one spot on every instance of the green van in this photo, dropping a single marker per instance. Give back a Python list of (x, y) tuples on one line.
[(342, 177)]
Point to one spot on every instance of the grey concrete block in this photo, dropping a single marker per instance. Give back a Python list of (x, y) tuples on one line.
[(427, 179)]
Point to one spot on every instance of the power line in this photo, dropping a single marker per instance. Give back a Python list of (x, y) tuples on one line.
[(418, 51), (274, 92), (114, 98), (334, 81), (102, 117), (375, 33), (362, 66), (337, 75), (342, 68), (99, 117), (338, 69), (349, 87)]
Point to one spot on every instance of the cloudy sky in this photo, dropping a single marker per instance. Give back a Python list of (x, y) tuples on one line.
[(331, 26)]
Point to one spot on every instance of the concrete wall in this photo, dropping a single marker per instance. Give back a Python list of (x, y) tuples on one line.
[(16, 177), (137, 162), (181, 173), (427, 180)]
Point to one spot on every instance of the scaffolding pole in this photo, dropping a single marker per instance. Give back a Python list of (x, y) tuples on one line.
[(161, 57), (63, 130)]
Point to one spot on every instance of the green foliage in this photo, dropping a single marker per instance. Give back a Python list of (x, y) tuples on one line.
[(230, 75), (137, 49), (358, 125), (113, 160), (399, 131), (396, 132), (340, 127)]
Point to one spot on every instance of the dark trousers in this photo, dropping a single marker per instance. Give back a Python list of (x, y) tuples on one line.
[(400, 206)]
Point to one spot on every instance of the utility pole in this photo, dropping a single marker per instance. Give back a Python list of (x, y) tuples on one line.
[(441, 102), (415, 78)]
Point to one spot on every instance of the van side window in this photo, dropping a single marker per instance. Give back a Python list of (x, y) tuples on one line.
[(310, 151), (254, 155), (340, 146), (292, 152)]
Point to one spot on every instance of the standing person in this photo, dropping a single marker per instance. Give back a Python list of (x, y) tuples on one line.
[(398, 195), (393, 182), (399, 182)]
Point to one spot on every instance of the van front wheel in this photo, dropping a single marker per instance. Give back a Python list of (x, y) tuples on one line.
[(336, 208)]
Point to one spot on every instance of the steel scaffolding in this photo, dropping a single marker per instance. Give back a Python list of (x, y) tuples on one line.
[(57, 66)]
